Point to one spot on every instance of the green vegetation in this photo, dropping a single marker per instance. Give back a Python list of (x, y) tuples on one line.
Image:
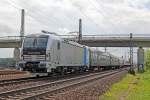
[(7, 62), (147, 59), (118, 89), (130, 88)]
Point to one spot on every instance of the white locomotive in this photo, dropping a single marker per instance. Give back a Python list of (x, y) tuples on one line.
[(48, 53)]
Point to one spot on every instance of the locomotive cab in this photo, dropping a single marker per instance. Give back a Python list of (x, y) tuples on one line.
[(35, 54)]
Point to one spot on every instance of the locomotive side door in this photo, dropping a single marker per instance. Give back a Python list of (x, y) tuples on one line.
[(58, 52)]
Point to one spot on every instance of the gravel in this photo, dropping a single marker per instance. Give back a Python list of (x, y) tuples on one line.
[(89, 91)]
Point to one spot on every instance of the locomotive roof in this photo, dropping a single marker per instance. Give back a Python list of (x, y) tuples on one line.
[(55, 37), (72, 43), (43, 35)]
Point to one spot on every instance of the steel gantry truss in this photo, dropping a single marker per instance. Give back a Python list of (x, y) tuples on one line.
[(131, 55)]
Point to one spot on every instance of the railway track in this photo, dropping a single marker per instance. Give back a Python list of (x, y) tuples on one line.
[(6, 85), (18, 81), (28, 79), (37, 91)]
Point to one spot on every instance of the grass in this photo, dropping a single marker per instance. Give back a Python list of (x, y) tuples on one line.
[(130, 88)]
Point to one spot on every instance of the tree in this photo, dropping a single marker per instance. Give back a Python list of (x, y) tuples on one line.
[(147, 59)]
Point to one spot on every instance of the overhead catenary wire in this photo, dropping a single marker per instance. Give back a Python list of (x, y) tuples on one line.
[(65, 17), (86, 16), (47, 19), (13, 4), (101, 12), (105, 11), (31, 13), (51, 18)]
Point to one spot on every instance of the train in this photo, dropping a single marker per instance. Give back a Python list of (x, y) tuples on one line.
[(49, 53)]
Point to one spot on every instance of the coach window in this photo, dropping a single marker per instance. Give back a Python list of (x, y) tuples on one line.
[(58, 45)]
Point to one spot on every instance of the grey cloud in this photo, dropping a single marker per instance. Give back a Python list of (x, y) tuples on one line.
[(105, 16), (100, 17), (6, 29)]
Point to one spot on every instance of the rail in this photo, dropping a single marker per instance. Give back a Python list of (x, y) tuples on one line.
[(41, 89)]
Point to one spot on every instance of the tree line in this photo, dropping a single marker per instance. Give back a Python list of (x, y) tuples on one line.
[(147, 59)]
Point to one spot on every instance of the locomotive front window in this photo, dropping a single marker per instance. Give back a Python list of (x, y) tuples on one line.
[(28, 42), (35, 42), (41, 42)]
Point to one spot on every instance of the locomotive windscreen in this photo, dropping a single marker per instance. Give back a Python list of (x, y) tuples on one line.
[(35, 45)]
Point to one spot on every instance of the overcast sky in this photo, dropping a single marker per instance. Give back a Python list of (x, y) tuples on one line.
[(61, 16), (99, 16)]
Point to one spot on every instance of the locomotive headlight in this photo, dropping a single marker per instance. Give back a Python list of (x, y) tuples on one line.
[(29, 65)]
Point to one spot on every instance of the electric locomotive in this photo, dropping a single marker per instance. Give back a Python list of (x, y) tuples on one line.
[(48, 53)]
